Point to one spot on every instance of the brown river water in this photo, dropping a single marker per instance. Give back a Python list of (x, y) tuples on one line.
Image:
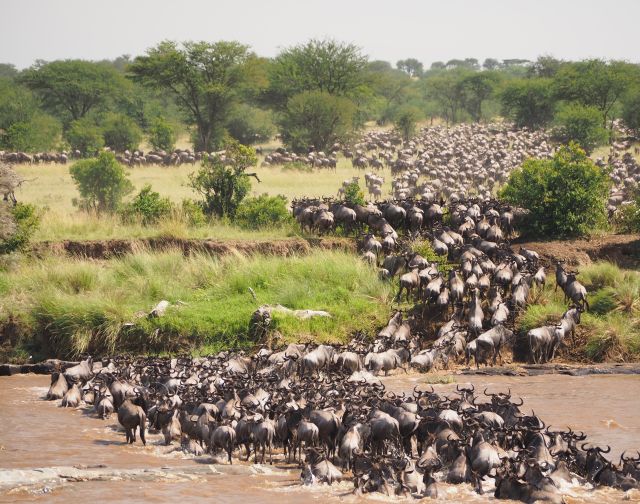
[(37, 434)]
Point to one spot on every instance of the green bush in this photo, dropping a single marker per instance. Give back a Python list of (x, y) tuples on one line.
[(84, 136), (316, 119), (528, 102), (121, 133), (250, 125), (627, 218), (223, 184), (162, 135), (565, 196), (263, 211), (405, 122), (354, 195), (25, 220), (40, 133), (192, 213), (102, 183), (631, 110), (147, 206), (580, 124)]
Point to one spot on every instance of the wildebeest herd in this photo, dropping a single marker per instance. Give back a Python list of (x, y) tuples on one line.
[(314, 406)]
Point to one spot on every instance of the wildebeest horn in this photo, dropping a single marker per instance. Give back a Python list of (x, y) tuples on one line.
[(603, 451)]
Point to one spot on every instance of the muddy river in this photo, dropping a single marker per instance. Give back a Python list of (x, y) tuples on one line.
[(51, 454)]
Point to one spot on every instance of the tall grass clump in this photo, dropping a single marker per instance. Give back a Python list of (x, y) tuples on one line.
[(610, 330), (66, 307)]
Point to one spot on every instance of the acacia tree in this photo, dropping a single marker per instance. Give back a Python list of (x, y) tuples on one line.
[(477, 88), (319, 65), (203, 78), (71, 89)]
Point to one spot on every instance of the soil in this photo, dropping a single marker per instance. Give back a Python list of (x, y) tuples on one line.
[(623, 250), (107, 249)]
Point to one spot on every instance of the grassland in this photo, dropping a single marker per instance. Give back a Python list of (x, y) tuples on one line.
[(610, 330), (63, 306), (51, 188)]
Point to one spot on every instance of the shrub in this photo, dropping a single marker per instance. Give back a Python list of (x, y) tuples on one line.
[(192, 213), (24, 222), (40, 133), (631, 110), (223, 183), (84, 136), (162, 135), (405, 122), (528, 102), (250, 125), (565, 196), (580, 124), (354, 195), (121, 133), (263, 211), (102, 183), (627, 217), (316, 119), (147, 206)]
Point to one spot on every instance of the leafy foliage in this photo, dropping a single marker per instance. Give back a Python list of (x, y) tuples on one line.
[(22, 221), (631, 109), (250, 125), (41, 132), (405, 122), (316, 119), (70, 89), (354, 195), (121, 133), (162, 135), (147, 206), (84, 136), (325, 66), (202, 77), (223, 182), (580, 124), (102, 183), (528, 102), (263, 212), (565, 196), (627, 217)]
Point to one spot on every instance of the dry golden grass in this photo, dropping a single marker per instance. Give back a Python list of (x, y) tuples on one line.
[(51, 188)]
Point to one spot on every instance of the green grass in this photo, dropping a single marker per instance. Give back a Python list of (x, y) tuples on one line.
[(610, 330), (64, 306)]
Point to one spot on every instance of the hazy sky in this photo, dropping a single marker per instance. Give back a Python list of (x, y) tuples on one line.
[(389, 30)]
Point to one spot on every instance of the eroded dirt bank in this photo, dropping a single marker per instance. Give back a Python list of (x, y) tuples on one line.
[(106, 249)]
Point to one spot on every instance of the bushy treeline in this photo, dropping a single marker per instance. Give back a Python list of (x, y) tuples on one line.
[(314, 94)]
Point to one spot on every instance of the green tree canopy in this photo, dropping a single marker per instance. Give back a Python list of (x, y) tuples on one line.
[(528, 102), (631, 109), (203, 78), (101, 182), (223, 182), (316, 119), (405, 122), (70, 89), (580, 124), (565, 195), (411, 66), (121, 132), (162, 135), (319, 65), (84, 136), (477, 88), (594, 83)]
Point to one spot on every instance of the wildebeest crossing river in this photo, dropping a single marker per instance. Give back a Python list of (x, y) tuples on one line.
[(81, 458)]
